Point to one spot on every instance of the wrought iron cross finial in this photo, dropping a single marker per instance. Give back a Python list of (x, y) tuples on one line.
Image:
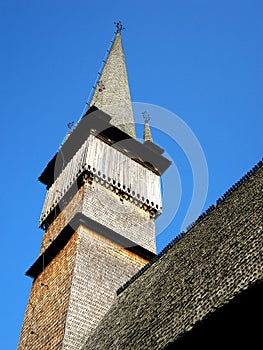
[(146, 116), (70, 125), (119, 26)]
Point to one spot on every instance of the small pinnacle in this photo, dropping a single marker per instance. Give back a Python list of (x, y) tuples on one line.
[(147, 135)]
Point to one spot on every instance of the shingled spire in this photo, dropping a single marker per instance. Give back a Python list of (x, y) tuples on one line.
[(147, 135), (102, 199), (112, 93)]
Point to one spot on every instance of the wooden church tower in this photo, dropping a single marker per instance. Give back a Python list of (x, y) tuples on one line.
[(103, 195)]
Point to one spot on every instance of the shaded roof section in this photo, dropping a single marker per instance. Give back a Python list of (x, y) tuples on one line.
[(112, 93), (233, 326), (218, 258)]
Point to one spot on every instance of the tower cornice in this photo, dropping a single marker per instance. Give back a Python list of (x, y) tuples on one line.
[(147, 154), (61, 240)]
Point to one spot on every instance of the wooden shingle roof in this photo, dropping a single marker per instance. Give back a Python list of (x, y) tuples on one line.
[(219, 257)]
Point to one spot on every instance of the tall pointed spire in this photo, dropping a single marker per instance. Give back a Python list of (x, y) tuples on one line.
[(147, 135), (112, 93)]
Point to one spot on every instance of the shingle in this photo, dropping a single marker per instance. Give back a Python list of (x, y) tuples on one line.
[(218, 257)]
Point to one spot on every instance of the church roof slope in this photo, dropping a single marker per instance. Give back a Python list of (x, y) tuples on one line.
[(219, 257)]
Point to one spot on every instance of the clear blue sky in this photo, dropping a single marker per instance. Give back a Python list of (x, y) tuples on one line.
[(199, 59)]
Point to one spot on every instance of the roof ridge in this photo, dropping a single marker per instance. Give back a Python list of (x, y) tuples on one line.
[(232, 189)]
